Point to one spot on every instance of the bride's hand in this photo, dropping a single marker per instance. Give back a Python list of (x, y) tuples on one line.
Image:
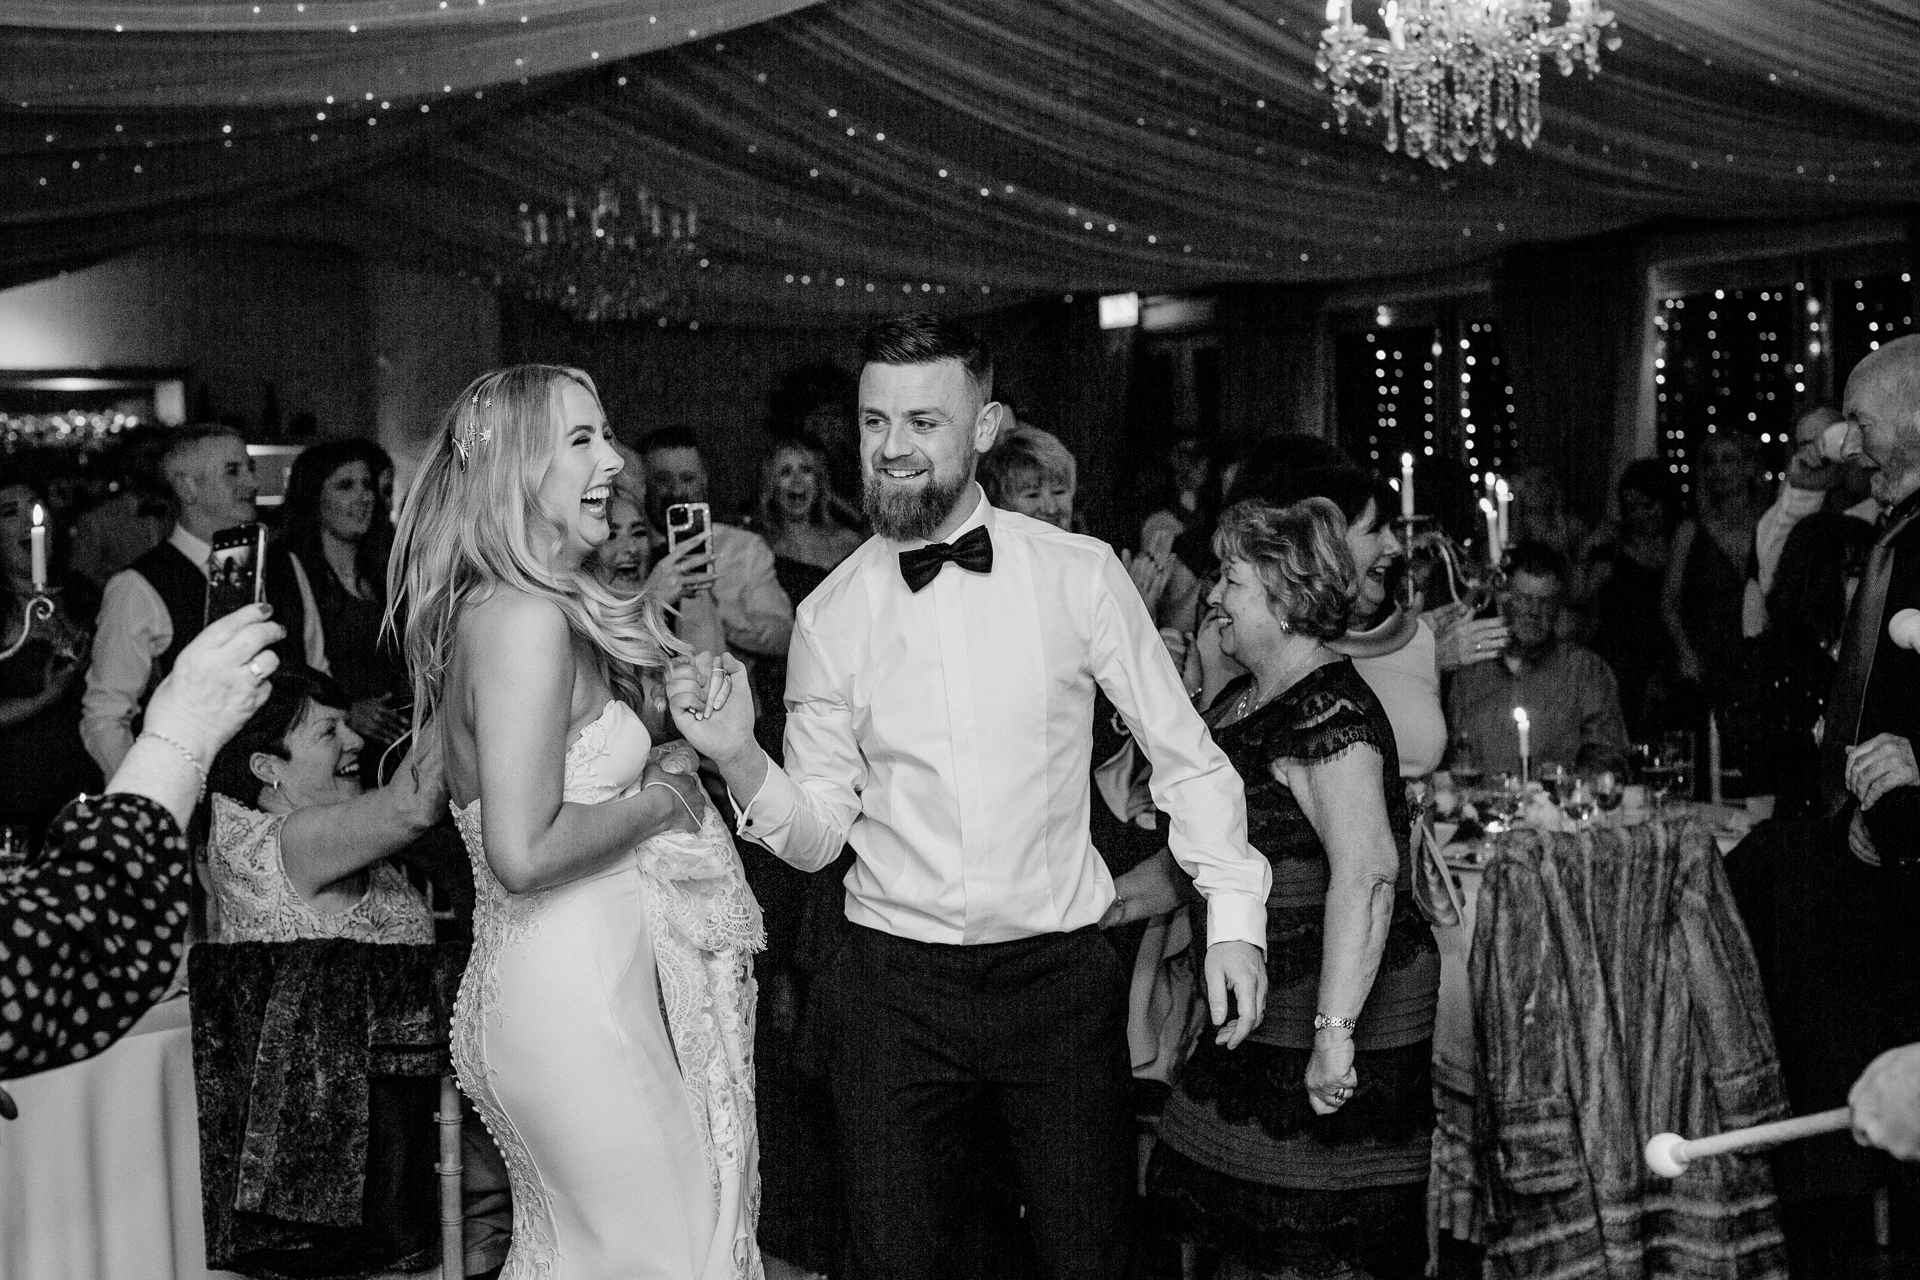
[(721, 730), (692, 798)]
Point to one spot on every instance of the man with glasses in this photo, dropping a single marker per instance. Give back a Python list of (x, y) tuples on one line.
[(1571, 698)]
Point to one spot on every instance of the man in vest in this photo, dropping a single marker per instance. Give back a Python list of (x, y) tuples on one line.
[(151, 609)]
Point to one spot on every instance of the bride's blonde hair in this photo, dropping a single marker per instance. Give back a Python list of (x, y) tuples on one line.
[(470, 525)]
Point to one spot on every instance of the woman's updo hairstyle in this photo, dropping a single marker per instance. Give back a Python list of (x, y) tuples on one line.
[(1300, 553)]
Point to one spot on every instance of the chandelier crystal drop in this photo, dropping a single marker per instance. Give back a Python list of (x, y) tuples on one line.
[(1452, 77), (621, 255)]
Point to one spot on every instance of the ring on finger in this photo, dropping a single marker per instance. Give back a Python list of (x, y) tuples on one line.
[(259, 676)]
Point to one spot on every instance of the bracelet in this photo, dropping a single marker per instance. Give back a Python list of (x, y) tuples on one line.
[(191, 758), (677, 796), (1322, 1021)]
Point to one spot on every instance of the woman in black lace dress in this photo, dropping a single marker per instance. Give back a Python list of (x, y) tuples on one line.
[(1304, 1152)]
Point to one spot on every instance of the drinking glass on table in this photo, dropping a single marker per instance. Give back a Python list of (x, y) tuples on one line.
[(1607, 790), (1671, 773), (1465, 766)]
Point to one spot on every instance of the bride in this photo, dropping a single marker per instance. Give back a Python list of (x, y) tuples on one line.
[(604, 1024)]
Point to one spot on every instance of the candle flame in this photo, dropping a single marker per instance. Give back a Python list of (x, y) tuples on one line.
[(39, 515), (1500, 487), (1520, 717), (1486, 505)]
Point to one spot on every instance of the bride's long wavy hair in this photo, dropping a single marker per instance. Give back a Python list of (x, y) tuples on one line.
[(471, 524)]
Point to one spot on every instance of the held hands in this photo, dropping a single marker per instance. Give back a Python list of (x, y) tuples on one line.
[(1878, 765), (712, 705), (1239, 968), (1331, 1078)]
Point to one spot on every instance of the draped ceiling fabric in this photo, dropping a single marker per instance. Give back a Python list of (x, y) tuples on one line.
[(846, 155)]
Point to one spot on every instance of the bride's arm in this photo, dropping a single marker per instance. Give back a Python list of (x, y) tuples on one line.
[(520, 668)]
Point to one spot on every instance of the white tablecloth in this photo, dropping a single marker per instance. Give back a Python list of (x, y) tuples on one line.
[(100, 1175)]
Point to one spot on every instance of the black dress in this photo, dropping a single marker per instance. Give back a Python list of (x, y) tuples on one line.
[(1244, 1165), (364, 664)]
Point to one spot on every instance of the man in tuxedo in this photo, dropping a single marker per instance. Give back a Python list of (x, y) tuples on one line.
[(940, 691), (1868, 780)]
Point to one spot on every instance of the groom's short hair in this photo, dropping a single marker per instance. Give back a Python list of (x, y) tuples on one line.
[(920, 337)]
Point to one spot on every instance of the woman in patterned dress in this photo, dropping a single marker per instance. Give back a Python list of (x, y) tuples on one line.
[(1303, 1153)]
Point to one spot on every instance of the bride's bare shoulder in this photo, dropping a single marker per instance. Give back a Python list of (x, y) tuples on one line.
[(516, 619)]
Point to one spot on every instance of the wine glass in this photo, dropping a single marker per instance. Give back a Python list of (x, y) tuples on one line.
[(15, 850), (1607, 790), (1672, 769), (1465, 765)]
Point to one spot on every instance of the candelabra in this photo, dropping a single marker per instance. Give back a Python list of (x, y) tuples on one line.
[(40, 607), (1451, 77), (618, 258)]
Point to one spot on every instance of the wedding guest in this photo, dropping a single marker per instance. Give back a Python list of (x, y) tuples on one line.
[(1813, 482), (116, 528), (972, 980), (623, 558), (299, 845), (1028, 470), (151, 610), (792, 513), (1571, 698), (754, 616), (1393, 647), (1541, 513), (1626, 574), (335, 527), (1793, 660), (40, 684), (1704, 598), (1305, 1151), (123, 856)]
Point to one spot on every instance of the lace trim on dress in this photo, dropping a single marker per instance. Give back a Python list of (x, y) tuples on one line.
[(258, 903)]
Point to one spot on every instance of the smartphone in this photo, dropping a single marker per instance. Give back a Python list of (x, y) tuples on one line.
[(236, 573), (690, 522)]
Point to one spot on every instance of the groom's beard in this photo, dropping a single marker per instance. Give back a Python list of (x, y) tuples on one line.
[(907, 515)]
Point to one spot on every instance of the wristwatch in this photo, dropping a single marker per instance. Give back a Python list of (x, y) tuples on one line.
[(1321, 1021)]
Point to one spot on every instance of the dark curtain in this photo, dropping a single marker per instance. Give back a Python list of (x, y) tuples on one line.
[(1571, 317)]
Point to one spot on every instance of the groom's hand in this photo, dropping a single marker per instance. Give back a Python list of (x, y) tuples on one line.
[(1239, 968)]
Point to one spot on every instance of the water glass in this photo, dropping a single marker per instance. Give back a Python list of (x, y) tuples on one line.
[(1608, 790), (1465, 765)]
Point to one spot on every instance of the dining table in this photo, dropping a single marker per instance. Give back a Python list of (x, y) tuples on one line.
[(100, 1173)]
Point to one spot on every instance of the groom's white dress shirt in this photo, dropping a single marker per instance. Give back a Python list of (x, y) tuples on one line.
[(946, 734)]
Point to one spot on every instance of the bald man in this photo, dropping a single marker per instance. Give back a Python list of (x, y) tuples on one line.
[(150, 609)]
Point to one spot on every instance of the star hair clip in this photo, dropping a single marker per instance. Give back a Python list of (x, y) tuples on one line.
[(464, 441)]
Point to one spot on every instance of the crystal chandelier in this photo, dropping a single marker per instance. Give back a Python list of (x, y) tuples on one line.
[(1452, 76), (620, 257)]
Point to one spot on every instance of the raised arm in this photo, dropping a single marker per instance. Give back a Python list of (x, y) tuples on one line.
[(325, 843), (519, 670)]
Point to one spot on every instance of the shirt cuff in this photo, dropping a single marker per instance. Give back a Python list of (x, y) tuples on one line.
[(769, 810), (1236, 917)]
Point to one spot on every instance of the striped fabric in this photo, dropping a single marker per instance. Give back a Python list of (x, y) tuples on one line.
[(1615, 997)]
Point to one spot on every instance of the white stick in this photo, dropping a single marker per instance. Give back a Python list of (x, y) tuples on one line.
[(1669, 1154)]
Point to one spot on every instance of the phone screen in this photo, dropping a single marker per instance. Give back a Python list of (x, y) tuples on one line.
[(236, 570), (690, 522)]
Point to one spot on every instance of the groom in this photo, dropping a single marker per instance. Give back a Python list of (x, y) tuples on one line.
[(939, 691)]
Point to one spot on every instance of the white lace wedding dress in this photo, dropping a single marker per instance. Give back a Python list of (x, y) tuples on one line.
[(604, 1030)]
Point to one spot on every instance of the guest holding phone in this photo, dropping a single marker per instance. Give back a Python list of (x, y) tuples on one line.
[(151, 609), (754, 616)]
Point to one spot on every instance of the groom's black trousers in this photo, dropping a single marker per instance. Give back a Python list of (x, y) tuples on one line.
[(924, 1037)]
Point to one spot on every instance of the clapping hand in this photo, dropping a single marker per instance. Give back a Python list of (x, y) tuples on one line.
[(1461, 640), (1150, 574)]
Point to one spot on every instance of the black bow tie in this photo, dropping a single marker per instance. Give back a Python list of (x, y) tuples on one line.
[(972, 551)]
